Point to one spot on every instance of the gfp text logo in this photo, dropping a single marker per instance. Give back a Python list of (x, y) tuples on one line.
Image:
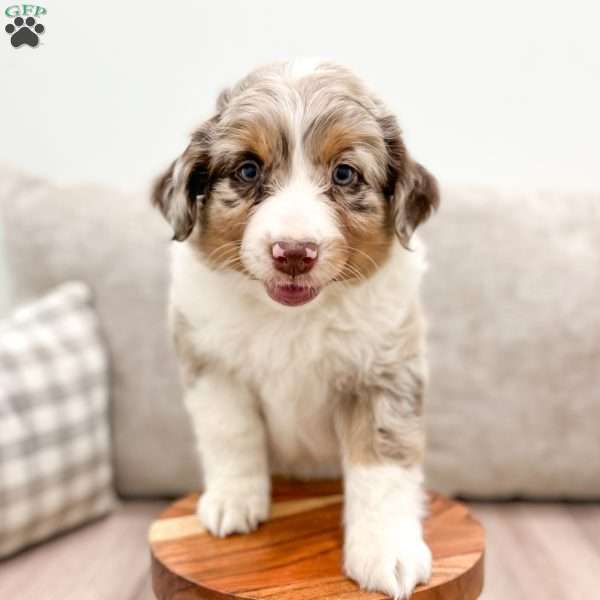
[(24, 28)]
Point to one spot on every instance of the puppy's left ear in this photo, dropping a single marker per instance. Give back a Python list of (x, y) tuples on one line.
[(415, 200), (179, 193)]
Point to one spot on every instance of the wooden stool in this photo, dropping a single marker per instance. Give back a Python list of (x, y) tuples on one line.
[(296, 555)]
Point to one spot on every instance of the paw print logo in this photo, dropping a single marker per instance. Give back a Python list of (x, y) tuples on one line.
[(24, 31)]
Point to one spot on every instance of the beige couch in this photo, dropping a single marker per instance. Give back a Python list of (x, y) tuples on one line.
[(513, 408), (512, 295)]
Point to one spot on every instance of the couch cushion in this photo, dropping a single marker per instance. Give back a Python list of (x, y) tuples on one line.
[(511, 294), (55, 469)]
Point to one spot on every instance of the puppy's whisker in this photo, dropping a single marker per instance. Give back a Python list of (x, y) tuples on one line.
[(218, 249), (230, 262), (363, 253), (353, 271)]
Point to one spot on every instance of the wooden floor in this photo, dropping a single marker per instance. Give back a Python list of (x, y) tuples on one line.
[(535, 551), (541, 551)]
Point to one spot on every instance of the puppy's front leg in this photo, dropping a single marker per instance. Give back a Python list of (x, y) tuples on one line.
[(382, 443), (230, 435)]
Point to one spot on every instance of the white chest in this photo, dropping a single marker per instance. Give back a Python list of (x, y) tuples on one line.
[(294, 366), (298, 411), (297, 360)]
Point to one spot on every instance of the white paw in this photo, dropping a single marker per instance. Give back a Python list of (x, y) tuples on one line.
[(235, 508), (387, 562)]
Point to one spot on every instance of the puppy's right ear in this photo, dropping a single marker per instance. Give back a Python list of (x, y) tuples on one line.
[(179, 193)]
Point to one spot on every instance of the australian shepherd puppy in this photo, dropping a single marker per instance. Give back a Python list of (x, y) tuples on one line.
[(295, 309)]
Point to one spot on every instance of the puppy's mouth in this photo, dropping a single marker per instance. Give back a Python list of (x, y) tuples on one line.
[(291, 294)]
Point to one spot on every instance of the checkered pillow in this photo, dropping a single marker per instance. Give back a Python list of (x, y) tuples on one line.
[(55, 469)]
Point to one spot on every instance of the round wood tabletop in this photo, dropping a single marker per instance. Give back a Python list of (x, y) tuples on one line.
[(296, 555)]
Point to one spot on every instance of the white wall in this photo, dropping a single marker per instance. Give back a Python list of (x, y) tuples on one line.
[(487, 92)]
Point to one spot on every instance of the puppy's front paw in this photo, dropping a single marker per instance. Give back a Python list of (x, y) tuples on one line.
[(235, 508), (392, 563)]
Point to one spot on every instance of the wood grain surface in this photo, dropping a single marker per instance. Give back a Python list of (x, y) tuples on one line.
[(296, 555)]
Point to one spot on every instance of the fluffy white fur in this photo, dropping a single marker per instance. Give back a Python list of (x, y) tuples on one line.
[(384, 547), (292, 356)]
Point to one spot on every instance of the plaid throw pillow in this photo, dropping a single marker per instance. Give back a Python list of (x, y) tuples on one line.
[(55, 469)]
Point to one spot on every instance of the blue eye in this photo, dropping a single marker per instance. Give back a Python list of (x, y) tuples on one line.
[(249, 171), (344, 174)]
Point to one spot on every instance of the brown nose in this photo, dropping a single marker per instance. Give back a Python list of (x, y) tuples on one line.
[(294, 258)]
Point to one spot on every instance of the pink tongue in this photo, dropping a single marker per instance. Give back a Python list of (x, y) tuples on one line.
[(292, 295)]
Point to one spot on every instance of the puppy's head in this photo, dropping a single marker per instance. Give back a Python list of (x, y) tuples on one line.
[(301, 179)]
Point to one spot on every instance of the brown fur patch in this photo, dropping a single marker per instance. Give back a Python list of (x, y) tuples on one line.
[(222, 229), (423, 199), (330, 136), (179, 192), (369, 238), (258, 137), (412, 188)]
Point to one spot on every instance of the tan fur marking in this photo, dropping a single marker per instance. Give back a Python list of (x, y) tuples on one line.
[(222, 232), (369, 238), (257, 136), (328, 143)]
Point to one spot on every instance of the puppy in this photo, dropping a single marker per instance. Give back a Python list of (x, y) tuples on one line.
[(295, 309)]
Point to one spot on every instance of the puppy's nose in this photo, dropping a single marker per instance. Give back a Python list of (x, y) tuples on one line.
[(294, 258)]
